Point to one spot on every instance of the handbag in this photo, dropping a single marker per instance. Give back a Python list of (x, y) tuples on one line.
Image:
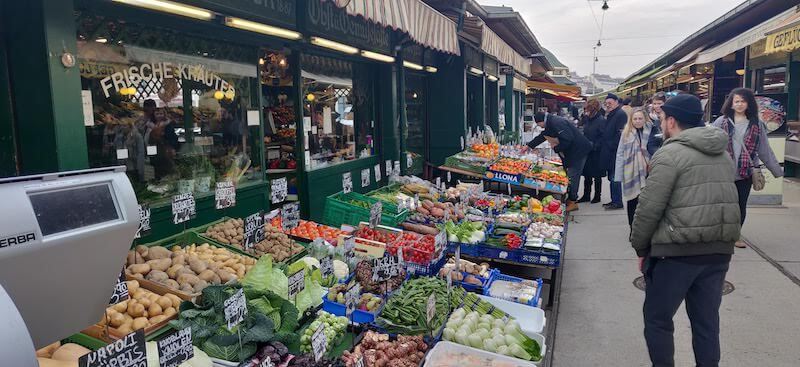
[(758, 179)]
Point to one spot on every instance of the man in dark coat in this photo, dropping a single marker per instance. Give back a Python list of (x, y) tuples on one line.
[(656, 136), (594, 124), (566, 140), (616, 119)]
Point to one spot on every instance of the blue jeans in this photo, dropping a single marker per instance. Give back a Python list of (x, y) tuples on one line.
[(574, 172), (616, 187), (670, 281)]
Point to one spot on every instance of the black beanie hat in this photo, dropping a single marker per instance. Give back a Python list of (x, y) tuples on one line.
[(612, 96), (686, 108)]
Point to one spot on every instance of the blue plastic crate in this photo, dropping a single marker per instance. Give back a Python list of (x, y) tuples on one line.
[(359, 316), (521, 256), (499, 276), (427, 270)]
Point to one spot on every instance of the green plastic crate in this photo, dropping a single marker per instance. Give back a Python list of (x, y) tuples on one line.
[(392, 188), (459, 164), (200, 230), (339, 211), (85, 341)]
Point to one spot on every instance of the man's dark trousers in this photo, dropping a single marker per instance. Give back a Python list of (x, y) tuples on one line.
[(670, 281)]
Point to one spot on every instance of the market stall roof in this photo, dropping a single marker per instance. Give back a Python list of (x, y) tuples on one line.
[(510, 25), (745, 39), (645, 75), (574, 90), (422, 23), (784, 36), (492, 44)]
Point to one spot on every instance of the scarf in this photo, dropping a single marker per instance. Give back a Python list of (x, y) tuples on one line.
[(744, 166), (634, 164)]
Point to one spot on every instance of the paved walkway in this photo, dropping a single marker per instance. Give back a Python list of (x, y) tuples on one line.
[(600, 318)]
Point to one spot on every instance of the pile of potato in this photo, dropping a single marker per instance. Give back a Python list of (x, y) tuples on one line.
[(229, 232), (277, 244), (187, 269), (143, 309)]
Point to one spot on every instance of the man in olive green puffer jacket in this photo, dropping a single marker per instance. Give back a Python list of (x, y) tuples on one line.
[(684, 230)]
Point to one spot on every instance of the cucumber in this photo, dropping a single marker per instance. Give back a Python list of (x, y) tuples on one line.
[(508, 225), (505, 231)]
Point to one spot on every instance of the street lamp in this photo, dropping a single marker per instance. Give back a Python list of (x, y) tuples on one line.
[(605, 5)]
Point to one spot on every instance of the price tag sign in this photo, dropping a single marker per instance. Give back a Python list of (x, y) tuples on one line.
[(290, 216), (266, 362), (438, 182), (120, 289), (297, 282), (457, 257), (375, 213), (349, 247), (449, 176), (365, 177), (175, 348), (319, 342), (183, 208), (253, 229), (397, 168), (430, 309), (450, 280), (326, 266), (351, 298), (440, 240), (359, 361), (130, 351), (347, 182), (508, 186), (235, 309), (385, 268), (389, 170), (224, 195), (409, 160), (377, 173), (144, 221), (279, 190)]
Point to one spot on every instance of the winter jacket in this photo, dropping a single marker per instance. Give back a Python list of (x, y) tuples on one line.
[(656, 138), (593, 129), (763, 151), (571, 143), (690, 205), (615, 123)]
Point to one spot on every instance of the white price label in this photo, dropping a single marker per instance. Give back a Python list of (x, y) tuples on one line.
[(430, 309), (449, 176), (175, 349), (224, 195), (389, 168), (438, 182), (351, 297), (462, 143), (326, 266), (297, 282), (347, 182), (319, 342), (183, 208), (377, 173), (375, 213), (409, 160), (266, 362), (397, 168), (235, 309), (365, 177), (279, 190)]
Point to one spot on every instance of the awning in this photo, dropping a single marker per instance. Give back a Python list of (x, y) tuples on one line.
[(574, 90), (745, 39), (645, 75), (688, 58), (785, 36), (493, 45), (562, 96), (422, 23)]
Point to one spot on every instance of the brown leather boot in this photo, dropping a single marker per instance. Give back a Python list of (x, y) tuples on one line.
[(572, 206)]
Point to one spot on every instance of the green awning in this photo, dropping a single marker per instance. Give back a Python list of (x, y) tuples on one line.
[(644, 75)]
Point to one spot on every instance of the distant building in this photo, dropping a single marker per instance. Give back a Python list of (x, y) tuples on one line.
[(560, 73), (595, 83)]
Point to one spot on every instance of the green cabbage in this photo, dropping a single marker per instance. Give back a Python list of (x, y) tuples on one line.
[(264, 276)]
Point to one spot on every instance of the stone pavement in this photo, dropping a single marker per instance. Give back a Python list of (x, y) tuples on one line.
[(600, 318)]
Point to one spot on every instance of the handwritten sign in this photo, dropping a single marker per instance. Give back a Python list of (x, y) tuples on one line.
[(235, 309), (397, 168), (326, 266), (297, 282), (279, 190), (375, 213), (290, 216), (319, 342), (351, 298), (440, 241), (253, 230), (409, 160), (365, 177), (144, 221), (130, 351), (349, 247), (224, 195), (183, 208), (120, 290), (430, 309), (389, 168), (377, 173), (266, 362), (347, 182), (384, 268), (175, 348)]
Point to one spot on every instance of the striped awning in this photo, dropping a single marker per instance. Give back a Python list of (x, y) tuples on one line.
[(422, 23), (493, 45)]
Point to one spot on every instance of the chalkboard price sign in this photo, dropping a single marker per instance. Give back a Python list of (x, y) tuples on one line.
[(224, 195), (253, 229), (120, 290), (235, 309), (129, 351), (279, 190), (183, 208), (297, 283), (175, 348), (290, 216), (385, 268), (144, 221)]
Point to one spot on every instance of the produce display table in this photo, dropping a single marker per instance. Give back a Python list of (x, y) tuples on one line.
[(546, 188)]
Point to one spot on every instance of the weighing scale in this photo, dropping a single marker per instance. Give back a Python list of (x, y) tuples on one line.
[(63, 242)]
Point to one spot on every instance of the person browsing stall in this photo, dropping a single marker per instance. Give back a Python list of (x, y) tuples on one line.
[(567, 141), (683, 232)]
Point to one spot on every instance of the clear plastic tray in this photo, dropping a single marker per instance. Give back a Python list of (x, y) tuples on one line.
[(531, 319), (447, 354)]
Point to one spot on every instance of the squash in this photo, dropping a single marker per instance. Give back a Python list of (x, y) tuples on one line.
[(47, 362), (70, 352)]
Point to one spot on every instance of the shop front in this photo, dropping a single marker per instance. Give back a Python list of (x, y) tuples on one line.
[(419, 65)]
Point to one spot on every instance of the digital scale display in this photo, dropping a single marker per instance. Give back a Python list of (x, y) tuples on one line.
[(66, 209)]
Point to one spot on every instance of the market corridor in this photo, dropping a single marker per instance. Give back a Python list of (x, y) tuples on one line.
[(600, 315)]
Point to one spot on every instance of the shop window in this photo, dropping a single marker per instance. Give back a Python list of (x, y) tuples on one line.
[(178, 111), (772, 80), (338, 112), (416, 115), (279, 100)]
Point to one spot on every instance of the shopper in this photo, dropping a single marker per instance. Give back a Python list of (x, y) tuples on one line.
[(656, 137), (747, 145), (615, 122), (683, 231), (593, 124), (566, 140), (633, 160)]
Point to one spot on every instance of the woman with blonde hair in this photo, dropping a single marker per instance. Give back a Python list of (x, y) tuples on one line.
[(633, 161)]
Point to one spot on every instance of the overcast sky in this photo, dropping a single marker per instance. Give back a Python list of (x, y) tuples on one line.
[(644, 28)]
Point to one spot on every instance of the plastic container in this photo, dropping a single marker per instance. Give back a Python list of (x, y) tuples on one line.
[(446, 354), (534, 301), (338, 210), (530, 319), (339, 309)]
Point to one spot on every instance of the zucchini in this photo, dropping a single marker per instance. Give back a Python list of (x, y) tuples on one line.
[(508, 225), (505, 231)]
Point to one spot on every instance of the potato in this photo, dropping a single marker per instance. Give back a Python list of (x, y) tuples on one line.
[(187, 278), (156, 319), (160, 264), (176, 301), (184, 270), (158, 252), (139, 269), (171, 283), (120, 307), (156, 275), (154, 310), (140, 323), (197, 265), (225, 276), (47, 352), (202, 284), (146, 302), (125, 328), (131, 259), (169, 311), (187, 288), (116, 320), (142, 250), (207, 275), (137, 276), (178, 259), (164, 302), (135, 309), (133, 286), (172, 272), (138, 259)]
